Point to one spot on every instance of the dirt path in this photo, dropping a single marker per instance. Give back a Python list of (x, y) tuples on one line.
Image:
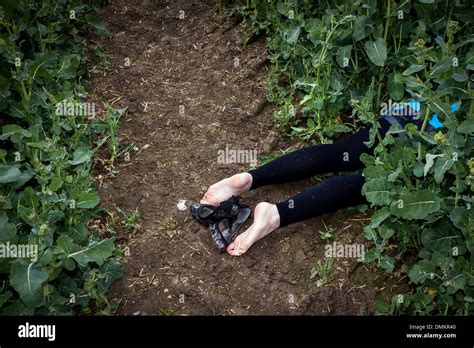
[(188, 65)]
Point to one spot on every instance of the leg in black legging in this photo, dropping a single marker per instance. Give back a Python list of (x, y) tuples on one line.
[(340, 156), (330, 195)]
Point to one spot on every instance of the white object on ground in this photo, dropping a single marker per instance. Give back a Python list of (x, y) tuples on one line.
[(182, 205)]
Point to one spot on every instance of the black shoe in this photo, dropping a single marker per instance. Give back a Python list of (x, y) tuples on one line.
[(224, 231), (224, 221), (205, 214)]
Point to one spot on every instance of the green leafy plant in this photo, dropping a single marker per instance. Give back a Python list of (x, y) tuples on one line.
[(129, 220), (47, 198), (322, 272), (327, 234)]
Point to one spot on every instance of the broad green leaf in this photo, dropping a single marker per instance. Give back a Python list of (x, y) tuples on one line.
[(418, 169), (416, 206), (55, 216), (379, 217), (97, 253), (377, 51), (463, 219), (5, 297), (413, 69), (440, 41), (17, 308), (292, 35), (87, 200), (382, 306), (68, 66), (466, 126), (13, 129), (378, 191), (386, 232), (3, 154), (394, 175), (362, 27), (456, 282), (441, 67), (27, 279), (441, 259), (415, 84), (283, 8), (429, 162), (460, 75), (305, 99), (441, 108), (97, 24), (370, 233), (111, 270), (8, 232), (387, 263), (27, 214), (395, 87), (442, 165), (440, 239), (80, 156), (371, 256), (421, 271), (65, 244), (343, 56), (29, 198), (313, 26)]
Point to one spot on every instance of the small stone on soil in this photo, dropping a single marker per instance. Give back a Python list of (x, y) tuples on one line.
[(300, 256), (182, 205)]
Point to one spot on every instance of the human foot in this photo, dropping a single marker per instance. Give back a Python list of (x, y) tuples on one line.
[(266, 220), (224, 189)]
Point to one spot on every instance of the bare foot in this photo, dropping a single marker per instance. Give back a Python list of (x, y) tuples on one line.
[(266, 220), (224, 189)]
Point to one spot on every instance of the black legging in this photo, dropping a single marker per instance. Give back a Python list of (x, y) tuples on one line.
[(330, 195)]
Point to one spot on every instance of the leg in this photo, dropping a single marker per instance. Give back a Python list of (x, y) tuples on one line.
[(330, 195), (340, 156)]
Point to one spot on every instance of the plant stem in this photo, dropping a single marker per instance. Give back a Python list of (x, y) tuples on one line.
[(425, 122), (385, 35)]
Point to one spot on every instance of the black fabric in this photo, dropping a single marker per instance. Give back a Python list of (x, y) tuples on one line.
[(330, 195)]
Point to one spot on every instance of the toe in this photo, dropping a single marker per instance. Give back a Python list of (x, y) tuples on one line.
[(234, 249), (230, 248), (238, 247), (207, 199)]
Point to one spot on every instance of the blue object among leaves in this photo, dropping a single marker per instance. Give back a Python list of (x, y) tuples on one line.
[(435, 123), (415, 105)]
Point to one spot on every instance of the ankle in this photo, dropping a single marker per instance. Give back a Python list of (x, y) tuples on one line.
[(270, 214), (275, 218), (243, 181)]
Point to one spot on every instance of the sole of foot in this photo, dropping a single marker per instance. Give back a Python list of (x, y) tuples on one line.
[(224, 189), (266, 220)]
